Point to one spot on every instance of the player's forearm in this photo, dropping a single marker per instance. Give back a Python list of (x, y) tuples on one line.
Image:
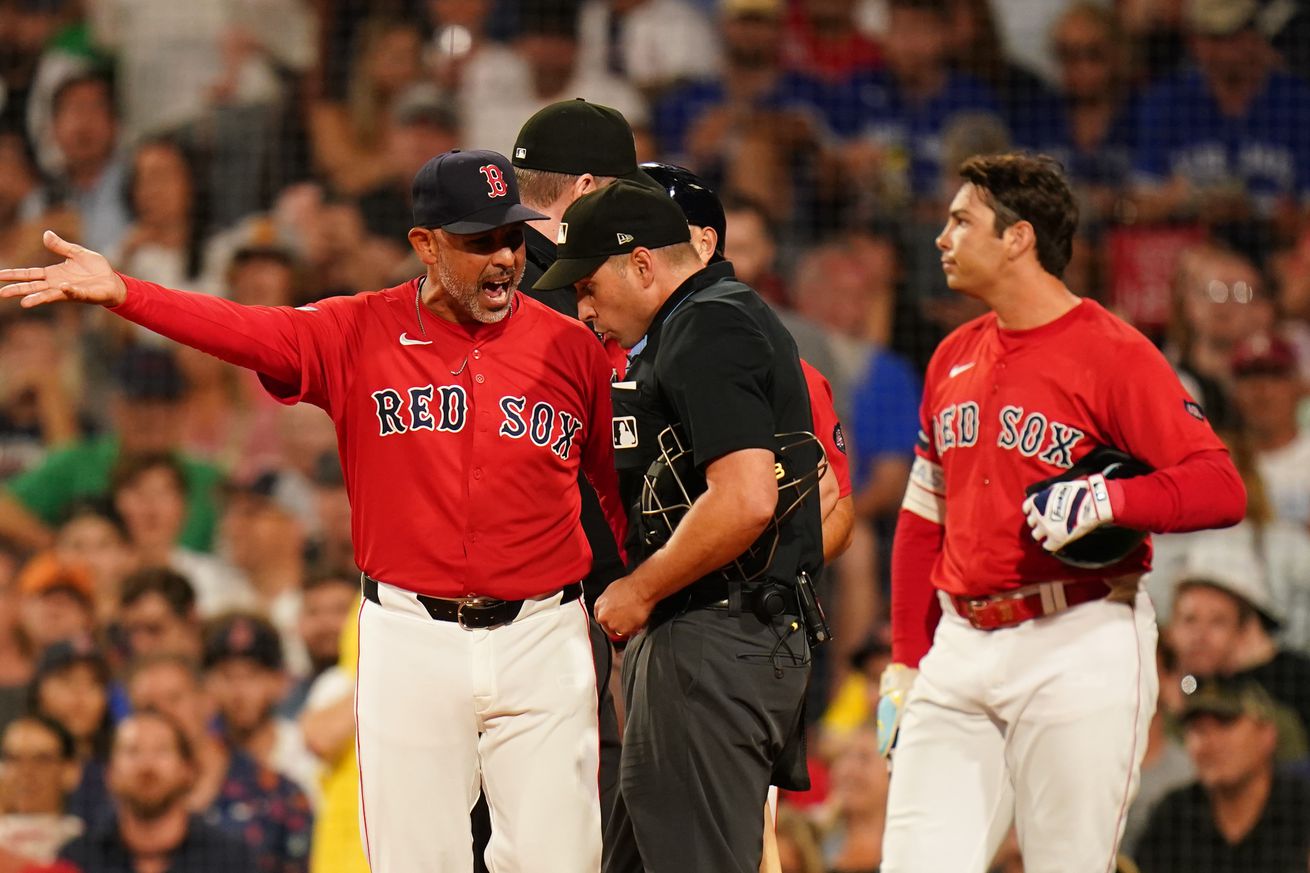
[(259, 338), (1204, 491), (837, 527), (914, 607)]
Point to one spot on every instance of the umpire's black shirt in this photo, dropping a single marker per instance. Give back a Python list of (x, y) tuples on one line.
[(717, 362), (605, 563)]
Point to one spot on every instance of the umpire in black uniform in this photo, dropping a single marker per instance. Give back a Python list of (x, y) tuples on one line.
[(720, 529)]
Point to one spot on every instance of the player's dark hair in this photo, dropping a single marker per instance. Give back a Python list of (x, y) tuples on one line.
[(98, 78), (129, 468), (168, 584), (1032, 188)]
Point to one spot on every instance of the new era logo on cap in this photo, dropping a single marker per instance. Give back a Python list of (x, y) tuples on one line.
[(563, 235), (624, 238)]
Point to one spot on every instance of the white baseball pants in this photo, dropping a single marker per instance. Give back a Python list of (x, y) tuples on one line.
[(441, 710), (1044, 724)]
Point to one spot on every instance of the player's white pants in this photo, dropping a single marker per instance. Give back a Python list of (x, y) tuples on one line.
[(1044, 723), (440, 709)]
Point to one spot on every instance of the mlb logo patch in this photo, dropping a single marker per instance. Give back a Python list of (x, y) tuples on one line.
[(562, 236), (624, 430), (624, 238), (520, 153)]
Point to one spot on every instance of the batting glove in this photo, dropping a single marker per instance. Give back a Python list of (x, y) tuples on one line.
[(893, 691), (1065, 511)]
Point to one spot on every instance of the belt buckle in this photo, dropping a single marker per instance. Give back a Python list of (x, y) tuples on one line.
[(474, 603)]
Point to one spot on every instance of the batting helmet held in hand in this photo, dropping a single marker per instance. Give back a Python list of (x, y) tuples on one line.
[(672, 483), (1108, 544)]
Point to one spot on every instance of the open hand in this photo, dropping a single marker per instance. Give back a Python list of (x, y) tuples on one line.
[(84, 277)]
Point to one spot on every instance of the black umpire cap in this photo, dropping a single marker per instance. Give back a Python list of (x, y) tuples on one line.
[(468, 192), (612, 221), (576, 137)]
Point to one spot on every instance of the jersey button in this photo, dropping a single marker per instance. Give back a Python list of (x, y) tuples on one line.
[(479, 378), (476, 354), (987, 481), (477, 472)]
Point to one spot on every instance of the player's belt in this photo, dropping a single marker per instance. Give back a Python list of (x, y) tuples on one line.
[(471, 613), (1032, 601)]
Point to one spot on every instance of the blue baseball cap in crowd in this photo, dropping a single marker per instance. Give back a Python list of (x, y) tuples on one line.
[(468, 192)]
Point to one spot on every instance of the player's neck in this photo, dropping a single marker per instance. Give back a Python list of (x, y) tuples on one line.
[(549, 226), (1029, 300)]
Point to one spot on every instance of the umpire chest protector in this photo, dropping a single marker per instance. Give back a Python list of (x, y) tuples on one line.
[(716, 373)]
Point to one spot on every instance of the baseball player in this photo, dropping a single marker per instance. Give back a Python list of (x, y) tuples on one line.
[(464, 412), (1035, 688)]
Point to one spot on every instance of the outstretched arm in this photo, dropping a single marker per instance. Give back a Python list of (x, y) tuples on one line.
[(264, 339)]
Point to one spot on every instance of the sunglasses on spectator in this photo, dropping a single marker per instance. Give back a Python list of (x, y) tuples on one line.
[(1222, 292)]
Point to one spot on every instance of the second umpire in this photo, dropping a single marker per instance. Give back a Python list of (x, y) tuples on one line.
[(716, 671)]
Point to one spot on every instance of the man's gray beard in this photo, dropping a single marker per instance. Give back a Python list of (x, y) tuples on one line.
[(464, 296)]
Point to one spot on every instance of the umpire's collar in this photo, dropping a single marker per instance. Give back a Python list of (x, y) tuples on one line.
[(540, 250), (702, 278)]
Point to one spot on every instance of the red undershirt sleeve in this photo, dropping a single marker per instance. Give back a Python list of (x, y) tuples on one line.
[(1203, 491), (915, 610)]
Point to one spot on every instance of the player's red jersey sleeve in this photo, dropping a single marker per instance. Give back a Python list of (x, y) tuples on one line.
[(827, 427), (297, 352), (598, 449)]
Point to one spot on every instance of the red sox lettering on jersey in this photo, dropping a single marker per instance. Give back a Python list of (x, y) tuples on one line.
[(453, 437), (1005, 409)]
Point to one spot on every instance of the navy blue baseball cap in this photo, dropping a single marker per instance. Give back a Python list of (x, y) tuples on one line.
[(468, 192)]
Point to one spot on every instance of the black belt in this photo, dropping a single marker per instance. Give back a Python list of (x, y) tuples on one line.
[(470, 613)]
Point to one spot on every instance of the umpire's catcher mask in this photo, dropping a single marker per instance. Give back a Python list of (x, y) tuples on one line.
[(672, 483)]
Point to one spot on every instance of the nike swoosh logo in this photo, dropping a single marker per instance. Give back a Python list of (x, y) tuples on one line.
[(405, 340), (959, 368)]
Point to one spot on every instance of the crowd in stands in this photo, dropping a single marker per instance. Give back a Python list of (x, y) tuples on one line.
[(177, 587)]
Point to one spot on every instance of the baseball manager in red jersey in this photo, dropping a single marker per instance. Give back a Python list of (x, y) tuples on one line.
[(464, 412), (1035, 679)]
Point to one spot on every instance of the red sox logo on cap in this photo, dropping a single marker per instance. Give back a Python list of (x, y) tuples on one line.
[(495, 180)]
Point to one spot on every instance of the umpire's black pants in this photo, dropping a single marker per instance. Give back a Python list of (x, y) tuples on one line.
[(712, 698)]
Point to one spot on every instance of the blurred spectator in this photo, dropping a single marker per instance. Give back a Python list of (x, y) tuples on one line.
[(91, 175), (170, 214), (1280, 548), (330, 601), (38, 770), (20, 226), (37, 391), (214, 78), (651, 43), (1268, 388), (25, 27), (424, 122), (857, 805), (1155, 33), (977, 48), (824, 40), (1222, 623), (244, 676), (332, 547), (145, 411), (1089, 126), (1240, 815), (149, 493), (1218, 300), (151, 770), (896, 138), (265, 541), (1221, 142), (92, 536), (752, 247), (460, 32), (16, 656), (1290, 269), (58, 601), (350, 138), (1165, 764), (798, 844), (158, 615), (543, 68), (328, 722), (330, 238), (231, 791), (760, 130), (71, 686)]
